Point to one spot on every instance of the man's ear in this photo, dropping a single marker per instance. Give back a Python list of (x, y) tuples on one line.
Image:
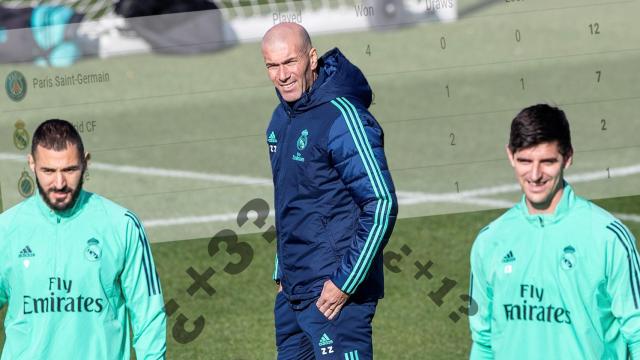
[(510, 155), (313, 57), (32, 163), (568, 161)]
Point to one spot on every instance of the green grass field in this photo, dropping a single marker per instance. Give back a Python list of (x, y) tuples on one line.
[(180, 141), (408, 324)]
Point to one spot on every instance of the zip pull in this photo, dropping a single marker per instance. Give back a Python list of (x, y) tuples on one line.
[(541, 222)]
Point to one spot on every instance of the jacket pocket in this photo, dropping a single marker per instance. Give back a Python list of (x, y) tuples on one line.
[(330, 237)]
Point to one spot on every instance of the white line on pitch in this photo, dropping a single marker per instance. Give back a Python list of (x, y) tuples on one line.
[(191, 220), (159, 172), (628, 217), (404, 197), (411, 198), (188, 220)]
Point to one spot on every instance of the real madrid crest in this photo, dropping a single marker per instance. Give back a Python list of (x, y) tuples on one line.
[(568, 260), (93, 251), (26, 186), (302, 140), (16, 86), (20, 136)]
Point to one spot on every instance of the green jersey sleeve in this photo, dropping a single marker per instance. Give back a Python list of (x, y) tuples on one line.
[(481, 292), (623, 285), (143, 294), (3, 292), (4, 296)]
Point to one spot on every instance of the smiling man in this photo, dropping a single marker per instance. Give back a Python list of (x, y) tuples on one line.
[(335, 203), (555, 277), (75, 268)]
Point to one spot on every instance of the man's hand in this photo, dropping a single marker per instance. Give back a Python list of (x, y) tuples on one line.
[(331, 300), (279, 285)]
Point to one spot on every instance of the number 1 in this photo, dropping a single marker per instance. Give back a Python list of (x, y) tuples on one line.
[(447, 286)]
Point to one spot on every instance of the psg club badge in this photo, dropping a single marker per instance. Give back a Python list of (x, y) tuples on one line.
[(16, 86)]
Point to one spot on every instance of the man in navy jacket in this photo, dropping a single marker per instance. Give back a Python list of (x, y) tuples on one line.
[(334, 198)]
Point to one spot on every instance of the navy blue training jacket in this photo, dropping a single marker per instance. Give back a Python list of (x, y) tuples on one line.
[(335, 202)]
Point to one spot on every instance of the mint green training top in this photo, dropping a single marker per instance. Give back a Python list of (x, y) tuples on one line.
[(71, 279), (557, 286)]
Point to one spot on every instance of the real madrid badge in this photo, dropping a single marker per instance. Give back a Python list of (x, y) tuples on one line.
[(93, 251), (20, 136), (302, 140), (568, 260)]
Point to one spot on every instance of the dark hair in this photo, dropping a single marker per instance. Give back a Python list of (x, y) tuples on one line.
[(540, 124), (56, 134)]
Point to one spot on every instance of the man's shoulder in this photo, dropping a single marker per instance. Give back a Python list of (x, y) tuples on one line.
[(505, 223), (602, 222), (350, 108), (347, 116), (14, 215), (278, 114), (497, 231), (19, 217), (112, 211)]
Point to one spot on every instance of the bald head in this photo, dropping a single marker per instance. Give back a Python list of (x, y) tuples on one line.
[(290, 59), (290, 33)]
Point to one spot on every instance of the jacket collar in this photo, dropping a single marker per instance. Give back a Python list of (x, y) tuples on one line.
[(567, 202), (58, 217)]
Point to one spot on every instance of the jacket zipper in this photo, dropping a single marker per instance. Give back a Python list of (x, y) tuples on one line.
[(281, 163), (57, 248)]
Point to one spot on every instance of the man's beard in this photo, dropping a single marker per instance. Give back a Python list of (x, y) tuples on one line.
[(74, 195)]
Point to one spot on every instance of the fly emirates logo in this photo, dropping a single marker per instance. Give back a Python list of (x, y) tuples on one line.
[(532, 308), (61, 299)]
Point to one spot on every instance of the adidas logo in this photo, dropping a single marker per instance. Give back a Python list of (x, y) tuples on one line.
[(325, 340), (509, 257), (272, 138), (26, 252)]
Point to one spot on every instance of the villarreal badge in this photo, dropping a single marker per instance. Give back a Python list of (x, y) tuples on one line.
[(26, 185), (568, 260), (93, 251), (20, 136), (16, 86)]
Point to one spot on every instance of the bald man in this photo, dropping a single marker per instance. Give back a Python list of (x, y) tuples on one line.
[(334, 198)]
